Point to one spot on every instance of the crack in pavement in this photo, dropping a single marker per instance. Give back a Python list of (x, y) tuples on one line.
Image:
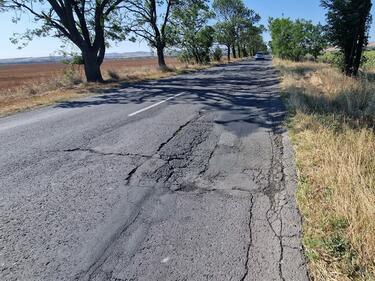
[(250, 240), (179, 129), (275, 187), (94, 151)]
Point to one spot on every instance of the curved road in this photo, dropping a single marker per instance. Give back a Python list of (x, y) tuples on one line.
[(186, 178)]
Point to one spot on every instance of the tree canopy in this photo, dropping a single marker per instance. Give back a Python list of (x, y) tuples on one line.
[(147, 22), (87, 24), (348, 24), (194, 36), (235, 22), (93, 25), (295, 39)]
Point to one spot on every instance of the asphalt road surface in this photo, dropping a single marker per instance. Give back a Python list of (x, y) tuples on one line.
[(186, 178)]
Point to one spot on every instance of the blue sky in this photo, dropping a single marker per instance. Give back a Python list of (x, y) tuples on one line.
[(308, 9)]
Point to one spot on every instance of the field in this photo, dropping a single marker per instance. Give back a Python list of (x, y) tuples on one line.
[(26, 86), (332, 119), (20, 75)]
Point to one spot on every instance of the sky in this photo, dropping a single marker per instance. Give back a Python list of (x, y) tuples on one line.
[(307, 9)]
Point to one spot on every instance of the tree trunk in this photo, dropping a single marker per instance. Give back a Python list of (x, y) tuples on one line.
[(348, 62), (359, 48), (228, 53), (92, 66), (234, 51), (245, 53), (161, 59)]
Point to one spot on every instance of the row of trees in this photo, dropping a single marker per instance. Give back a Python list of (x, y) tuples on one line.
[(92, 25), (236, 28), (295, 39), (348, 24)]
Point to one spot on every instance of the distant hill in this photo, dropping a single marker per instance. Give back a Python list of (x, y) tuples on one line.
[(371, 46), (56, 59)]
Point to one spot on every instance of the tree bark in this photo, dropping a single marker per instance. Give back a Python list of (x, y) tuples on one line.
[(240, 53), (359, 48), (245, 53), (161, 58), (234, 51), (228, 53), (92, 66), (348, 62)]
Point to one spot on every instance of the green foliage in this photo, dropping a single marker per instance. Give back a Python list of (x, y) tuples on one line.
[(235, 28), (89, 25), (252, 40), (348, 24), (295, 39), (334, 58), (368, 60), (337, 59), (194, 38), (217, 54), (224, 33), (77, 59), (314, 40)]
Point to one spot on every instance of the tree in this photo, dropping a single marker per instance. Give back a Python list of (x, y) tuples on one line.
[(224, 33), (227, 11), (348, 24), (234, 19), (244, 24), (252, 40), (314, 39), (146, 23), (282, 43), (87, 24), (194, 37), (295, 39)]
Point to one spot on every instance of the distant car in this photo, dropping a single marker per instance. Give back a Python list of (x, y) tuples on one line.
[(259, 56)]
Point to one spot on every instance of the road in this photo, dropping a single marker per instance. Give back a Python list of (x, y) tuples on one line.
[(186, 178)]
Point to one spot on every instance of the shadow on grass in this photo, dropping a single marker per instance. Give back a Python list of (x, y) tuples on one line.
[(334, 113)]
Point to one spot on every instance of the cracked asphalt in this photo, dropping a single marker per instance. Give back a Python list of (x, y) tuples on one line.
[(200, 187)]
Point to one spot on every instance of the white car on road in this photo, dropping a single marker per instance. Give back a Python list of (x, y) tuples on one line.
[(259, 56)]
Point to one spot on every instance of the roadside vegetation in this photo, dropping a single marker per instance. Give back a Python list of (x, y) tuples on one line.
[(332, 127), (331, 103)]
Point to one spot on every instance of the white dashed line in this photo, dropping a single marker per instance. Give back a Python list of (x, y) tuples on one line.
[(155, 104)]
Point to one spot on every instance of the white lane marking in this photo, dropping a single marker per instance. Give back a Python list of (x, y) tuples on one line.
[(155, 104)]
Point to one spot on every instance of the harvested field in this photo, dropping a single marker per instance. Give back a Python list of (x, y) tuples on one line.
[(20, 75), (26, 86)]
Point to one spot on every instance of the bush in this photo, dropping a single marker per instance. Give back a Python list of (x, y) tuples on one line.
[(368, 60), (334, 58)]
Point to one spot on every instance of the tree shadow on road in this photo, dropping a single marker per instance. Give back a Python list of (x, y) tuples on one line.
[(241, 88)]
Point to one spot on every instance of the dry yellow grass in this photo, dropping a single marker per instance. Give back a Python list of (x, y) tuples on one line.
[(68, 85), (332, 127)]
